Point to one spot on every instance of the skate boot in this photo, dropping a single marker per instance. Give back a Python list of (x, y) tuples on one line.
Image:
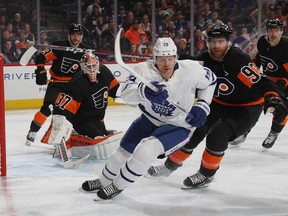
[(107, 193), (238, 140), (30, 138), (158, 171), (196, 181), (270, 140), (91, 185)]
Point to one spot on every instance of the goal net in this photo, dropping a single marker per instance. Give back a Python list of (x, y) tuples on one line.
[(2, 123)]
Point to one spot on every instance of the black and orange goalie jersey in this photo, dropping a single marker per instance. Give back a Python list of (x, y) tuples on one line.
[(84, 101), (65, 63)]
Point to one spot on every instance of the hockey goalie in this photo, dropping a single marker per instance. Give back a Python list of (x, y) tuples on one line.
[(78, 127)]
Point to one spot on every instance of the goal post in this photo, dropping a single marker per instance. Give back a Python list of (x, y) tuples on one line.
[(2, 122)]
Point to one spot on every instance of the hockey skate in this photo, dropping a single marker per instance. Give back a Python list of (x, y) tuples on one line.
[(236, 142), (30, 138), (107, 193), (158, 172), (269, 141), (91, 185), (196, 181)]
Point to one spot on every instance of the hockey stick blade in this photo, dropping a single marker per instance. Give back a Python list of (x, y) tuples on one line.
[(70, 164), (27, 56), (194, 188), (119, 60)]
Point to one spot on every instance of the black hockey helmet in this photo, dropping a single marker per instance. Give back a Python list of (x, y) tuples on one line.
[(274, 23), (220, 30), (75, 27)]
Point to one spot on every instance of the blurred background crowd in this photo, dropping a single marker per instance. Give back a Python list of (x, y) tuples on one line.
[(142, 20)]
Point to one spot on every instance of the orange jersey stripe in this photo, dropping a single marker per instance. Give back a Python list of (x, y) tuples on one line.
[(113, 83), (56, 77), (210, 161), (40, 118), (257, 102), (286, 66), (50, 56)]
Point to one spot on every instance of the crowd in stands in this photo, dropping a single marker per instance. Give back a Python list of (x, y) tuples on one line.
[(18, 26)]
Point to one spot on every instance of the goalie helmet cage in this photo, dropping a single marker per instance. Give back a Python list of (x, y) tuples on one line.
[(2, 122)]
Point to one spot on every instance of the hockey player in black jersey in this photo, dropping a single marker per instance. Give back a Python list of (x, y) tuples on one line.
[(65, 65), (235, 109), (273, 57), (82, 104)]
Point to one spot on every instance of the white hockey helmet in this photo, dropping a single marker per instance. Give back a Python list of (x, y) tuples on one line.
[(165, 47), (89, 64)]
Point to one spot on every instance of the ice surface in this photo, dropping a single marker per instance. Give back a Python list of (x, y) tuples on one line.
[(249, 181)]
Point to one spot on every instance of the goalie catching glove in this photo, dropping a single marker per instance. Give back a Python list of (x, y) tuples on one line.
[(278, 107), (41, 76), (198, 114), (147, 93)]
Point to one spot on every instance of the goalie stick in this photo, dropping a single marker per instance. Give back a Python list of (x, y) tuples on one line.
[(119, 60), (64, 156), (33, 49)]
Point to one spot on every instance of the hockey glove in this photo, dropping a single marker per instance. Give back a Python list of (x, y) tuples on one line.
[(198, 114), (148, 94), (41, 76), (275, 105)]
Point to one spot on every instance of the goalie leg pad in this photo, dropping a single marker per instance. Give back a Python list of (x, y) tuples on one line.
[(61, 128)]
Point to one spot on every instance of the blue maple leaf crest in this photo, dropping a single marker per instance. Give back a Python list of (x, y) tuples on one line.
[(164, 108)]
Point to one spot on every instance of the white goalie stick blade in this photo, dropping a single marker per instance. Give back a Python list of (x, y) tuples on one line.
[(27, 56), (119, 60), (64, 156)]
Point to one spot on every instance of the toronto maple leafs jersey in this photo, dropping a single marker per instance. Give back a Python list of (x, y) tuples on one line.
[(274, 60), (83, 101), (189, 78), (65, 63)]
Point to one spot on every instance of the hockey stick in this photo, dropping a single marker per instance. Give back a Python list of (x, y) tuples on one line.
[(33, 49), (64, 156), (119, 60)]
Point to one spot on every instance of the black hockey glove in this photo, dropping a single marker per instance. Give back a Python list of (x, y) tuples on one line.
[(275, 105), (41, 76), (281, 85)]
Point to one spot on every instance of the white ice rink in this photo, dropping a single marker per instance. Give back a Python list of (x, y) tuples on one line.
[(249, 181)]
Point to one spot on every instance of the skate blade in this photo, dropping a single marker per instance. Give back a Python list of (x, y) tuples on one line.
[(193, 188), (148, 176), (264, 149), (93, 191)]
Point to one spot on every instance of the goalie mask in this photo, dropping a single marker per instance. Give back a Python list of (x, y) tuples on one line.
[(75, 34), (89, 64)]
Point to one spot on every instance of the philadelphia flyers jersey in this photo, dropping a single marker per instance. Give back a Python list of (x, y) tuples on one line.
[(65, 64), (83, 101), (239, 81), (274, 60)]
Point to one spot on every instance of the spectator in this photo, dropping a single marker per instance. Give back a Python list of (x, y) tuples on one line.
[(143, 44), (133, 33), (164, 8), (90, 21), (121, 17), (138, 10), (200, 47), (129, 21), (17, 23), (132, 51), (43, 38), (145, 25), (9, 52), (182, 49), (107, 36), (149, 50), (207, 14), (181, 25), (22, 44), (214, 19), (29, 34), (13, 35), (124, 43), (3, 22), (147, 7), (200, 23)]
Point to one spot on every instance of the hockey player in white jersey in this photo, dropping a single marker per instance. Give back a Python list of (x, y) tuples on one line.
[(164, 126)]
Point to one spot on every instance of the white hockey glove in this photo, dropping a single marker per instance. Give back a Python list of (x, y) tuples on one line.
[(61, 128), (198, 114)]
